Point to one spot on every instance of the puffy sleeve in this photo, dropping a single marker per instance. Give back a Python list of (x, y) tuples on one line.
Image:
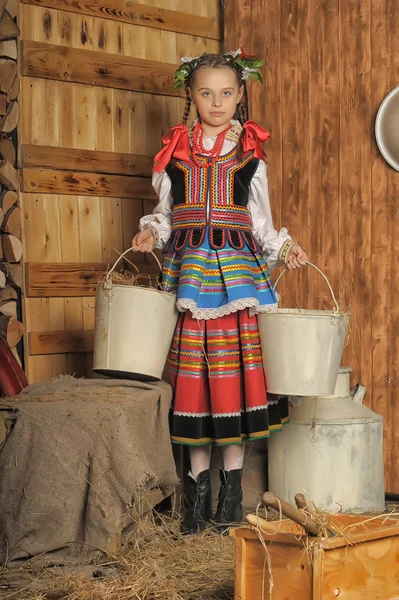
[(160, 222), (275, 245)]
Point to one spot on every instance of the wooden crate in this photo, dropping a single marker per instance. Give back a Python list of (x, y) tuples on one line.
[(362, 565)]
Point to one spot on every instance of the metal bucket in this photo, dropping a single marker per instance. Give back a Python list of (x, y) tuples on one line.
[(133, 330), (302, 348)]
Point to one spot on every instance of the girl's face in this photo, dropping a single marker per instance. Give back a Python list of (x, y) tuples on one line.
[(216, 93)]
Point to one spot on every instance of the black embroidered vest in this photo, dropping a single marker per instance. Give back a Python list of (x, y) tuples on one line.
[(225, 216)]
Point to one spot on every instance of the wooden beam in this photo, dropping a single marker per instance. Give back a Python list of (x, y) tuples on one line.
[(42, 181), (97, 68), (92, 161), (59, 342), (46, 280), (65, 280), (139, 14)]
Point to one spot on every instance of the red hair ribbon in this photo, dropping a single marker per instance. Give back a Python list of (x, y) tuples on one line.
[(176, 144), (254, 136)]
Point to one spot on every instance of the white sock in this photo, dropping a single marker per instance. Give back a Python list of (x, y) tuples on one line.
[(233, 457), (200, 459)]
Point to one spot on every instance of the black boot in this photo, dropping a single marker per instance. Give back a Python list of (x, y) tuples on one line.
[(229, 509), (198, 503)]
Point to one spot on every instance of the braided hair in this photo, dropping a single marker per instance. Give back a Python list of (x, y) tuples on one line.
[(187, 108), (217, 61), (242, 109)]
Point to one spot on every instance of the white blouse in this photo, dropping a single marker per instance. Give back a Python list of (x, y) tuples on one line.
[(269, 240)]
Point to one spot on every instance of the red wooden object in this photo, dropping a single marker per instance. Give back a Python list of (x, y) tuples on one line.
[(12, 378)]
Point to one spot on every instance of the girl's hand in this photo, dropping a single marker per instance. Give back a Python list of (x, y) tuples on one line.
[(143, 241), (296, 258)]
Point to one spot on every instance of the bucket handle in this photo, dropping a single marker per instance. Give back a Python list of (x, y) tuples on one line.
[(123, 254), (321, 273)]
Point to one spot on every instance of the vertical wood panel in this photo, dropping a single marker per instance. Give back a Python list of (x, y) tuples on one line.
[(385, 233), (323, 165), (355, 181), (295, 136), (80, 126), (53, 253), (327, 179), (89, 235), (240, 22), (67, 108), (111, 229), (265, 101), (71, 252), (36, 310)]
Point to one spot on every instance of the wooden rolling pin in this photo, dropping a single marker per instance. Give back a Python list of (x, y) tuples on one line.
[(260, 522), (292, 513), (301, 503)]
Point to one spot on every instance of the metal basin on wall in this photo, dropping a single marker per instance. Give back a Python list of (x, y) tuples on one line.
[(387, 128)]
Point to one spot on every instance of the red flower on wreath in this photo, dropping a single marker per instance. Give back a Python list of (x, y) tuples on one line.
[(245, 55)]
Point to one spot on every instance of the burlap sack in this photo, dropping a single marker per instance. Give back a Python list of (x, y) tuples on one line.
[(79, 454)]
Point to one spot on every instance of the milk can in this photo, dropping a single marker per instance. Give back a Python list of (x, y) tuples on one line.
[(332, 451)]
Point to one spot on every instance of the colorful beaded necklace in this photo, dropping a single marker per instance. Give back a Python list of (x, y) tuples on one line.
[(198, 146)]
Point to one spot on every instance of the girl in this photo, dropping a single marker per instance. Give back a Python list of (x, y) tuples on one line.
[(215, 225)]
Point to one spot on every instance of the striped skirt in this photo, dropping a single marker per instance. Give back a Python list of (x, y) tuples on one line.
[(218, 379)]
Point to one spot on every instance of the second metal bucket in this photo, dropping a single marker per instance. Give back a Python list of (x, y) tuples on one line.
[(302, 348)]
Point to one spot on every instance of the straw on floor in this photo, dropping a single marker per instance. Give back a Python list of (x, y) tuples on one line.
[(158, 563)]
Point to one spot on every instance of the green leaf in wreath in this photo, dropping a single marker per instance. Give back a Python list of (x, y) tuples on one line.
[(256, 76), (258, 63)]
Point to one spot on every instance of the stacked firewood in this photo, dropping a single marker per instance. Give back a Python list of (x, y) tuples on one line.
[(11, 329)]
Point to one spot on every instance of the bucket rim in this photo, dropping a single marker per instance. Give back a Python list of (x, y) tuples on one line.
[(302, 312), (337, 421), (106, 285)]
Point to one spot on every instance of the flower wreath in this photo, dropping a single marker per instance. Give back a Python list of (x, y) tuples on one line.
[(247, 65)]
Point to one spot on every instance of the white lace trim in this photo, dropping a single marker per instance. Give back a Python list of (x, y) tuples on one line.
[(213, 313), (178, 413), (221, 415), (253, 408)]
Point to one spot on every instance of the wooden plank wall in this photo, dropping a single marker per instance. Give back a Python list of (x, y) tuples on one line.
[(328, 67), (95, 101)]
